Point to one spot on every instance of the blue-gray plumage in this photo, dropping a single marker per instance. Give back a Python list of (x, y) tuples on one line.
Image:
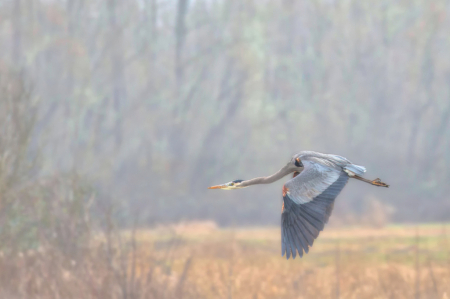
[(308, 198)]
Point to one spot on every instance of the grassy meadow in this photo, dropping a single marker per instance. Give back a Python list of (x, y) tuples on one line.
[(200, 260), (391, 262)]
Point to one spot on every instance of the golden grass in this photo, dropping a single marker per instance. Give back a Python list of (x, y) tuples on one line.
[(344, 262), (203, 261)]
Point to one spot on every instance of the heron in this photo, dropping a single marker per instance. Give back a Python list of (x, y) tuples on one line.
[(308, 198)]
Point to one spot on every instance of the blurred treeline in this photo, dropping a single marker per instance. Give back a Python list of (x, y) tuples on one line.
[(152, 101)]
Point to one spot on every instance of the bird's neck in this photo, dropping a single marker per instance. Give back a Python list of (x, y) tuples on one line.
[(268, 179)]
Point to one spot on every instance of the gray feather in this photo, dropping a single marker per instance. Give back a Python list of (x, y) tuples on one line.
[(302, 239), (291, 242), (303, 222), (356, 169)]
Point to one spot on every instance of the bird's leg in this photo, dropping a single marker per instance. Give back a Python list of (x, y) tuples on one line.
[(375, 182)]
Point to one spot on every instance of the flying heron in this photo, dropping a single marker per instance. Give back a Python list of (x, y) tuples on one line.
[(308, 198)]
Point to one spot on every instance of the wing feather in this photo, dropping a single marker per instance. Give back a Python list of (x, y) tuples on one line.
[(291, 241), (283, 240), (308, 203), (299, 244), (284, 246), (307, 231), (304, 238), (316, 223), (297, 241), (311, 182)]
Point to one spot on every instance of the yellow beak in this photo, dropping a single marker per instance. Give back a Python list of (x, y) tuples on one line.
[(218, 187)]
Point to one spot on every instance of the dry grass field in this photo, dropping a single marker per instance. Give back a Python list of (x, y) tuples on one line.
[(199, 260), (393, 262)]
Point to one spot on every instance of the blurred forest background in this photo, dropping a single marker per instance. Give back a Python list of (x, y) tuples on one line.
[(116, 115), (144, 104)]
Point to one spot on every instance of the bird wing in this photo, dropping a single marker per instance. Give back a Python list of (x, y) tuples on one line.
[(308, 201)]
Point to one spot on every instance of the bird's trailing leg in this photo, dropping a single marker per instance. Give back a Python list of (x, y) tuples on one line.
[(375, 182)]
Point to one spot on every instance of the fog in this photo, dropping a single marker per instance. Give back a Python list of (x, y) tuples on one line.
[(150, 102)]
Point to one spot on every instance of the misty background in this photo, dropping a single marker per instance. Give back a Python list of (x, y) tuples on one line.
[(149, 102)]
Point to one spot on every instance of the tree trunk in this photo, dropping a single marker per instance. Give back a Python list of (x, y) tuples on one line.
[(117, 70), (180, 34), (17, 33)]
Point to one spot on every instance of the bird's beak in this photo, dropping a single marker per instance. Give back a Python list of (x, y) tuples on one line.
[(218, 187)]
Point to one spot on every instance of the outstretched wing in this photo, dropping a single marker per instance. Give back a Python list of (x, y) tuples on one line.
[(308, 201)]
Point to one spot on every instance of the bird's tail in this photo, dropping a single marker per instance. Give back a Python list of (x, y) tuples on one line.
[(356, 169)]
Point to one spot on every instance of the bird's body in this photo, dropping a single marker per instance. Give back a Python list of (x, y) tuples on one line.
[(308, 198)]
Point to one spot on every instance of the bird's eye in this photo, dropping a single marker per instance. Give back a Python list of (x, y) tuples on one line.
[(298, 163), (231, 184)]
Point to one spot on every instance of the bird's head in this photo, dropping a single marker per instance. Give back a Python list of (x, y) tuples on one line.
[(229, 186)]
